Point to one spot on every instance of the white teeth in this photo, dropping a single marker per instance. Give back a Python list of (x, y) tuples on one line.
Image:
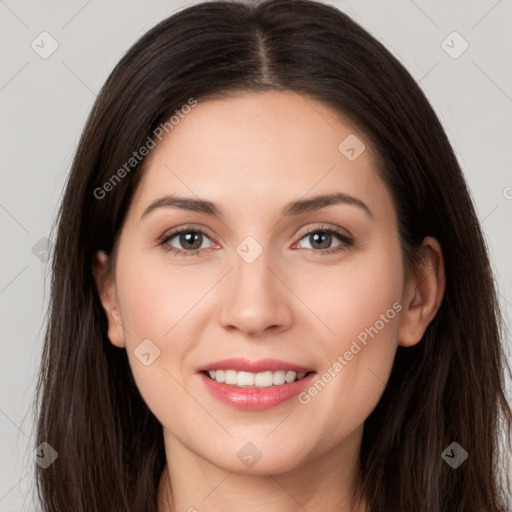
[(245, 379), (260, 380), (264, 379), (279, 378), (290, 376), (230, 376)]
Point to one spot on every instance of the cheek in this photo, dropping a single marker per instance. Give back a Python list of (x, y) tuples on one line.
[(157, 309), (155, 299), (352, 296), (360, 305)]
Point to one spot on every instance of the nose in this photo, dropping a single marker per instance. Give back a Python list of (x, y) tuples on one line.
[(256, 298)]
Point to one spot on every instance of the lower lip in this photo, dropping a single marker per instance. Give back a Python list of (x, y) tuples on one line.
[(255, 399)]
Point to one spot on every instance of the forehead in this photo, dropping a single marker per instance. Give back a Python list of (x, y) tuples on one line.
[(276, 146)]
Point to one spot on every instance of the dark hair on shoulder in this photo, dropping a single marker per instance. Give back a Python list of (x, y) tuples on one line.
[(449, 387)]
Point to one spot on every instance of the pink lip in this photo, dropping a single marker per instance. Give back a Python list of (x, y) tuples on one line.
[(241, 364), (254, 399)]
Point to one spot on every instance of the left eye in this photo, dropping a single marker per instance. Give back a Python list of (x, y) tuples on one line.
[(190, 239)]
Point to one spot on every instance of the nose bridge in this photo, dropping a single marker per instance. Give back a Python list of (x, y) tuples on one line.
[(255, 297)]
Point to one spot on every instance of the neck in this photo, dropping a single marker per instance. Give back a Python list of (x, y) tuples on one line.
[(324, 483)]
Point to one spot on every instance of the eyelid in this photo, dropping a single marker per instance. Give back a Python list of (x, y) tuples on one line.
[(326, 227), (170, 233)]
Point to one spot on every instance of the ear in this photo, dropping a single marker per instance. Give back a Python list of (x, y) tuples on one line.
[(107, 291), (422, 294)]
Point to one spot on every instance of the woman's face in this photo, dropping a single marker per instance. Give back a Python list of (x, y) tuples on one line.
[(262, 279)]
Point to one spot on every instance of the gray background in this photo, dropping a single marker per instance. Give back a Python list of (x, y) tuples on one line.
[(44, 104)]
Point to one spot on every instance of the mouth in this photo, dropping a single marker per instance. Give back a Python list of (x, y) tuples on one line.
[(254, 385), (265, 379)]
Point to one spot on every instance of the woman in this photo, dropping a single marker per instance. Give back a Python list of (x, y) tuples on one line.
[(202, 351)]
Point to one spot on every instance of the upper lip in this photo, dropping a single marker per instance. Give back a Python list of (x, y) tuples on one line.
[(261, 365)]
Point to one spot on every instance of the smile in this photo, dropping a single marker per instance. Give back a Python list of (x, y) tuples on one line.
[(254, 385), (260, 380)]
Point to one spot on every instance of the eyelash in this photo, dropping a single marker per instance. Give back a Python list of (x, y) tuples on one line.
[(346, 241)]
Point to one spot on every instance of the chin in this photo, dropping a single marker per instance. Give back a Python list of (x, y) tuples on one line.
[(259, 458)]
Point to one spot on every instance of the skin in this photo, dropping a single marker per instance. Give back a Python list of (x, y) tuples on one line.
[(291, 303)]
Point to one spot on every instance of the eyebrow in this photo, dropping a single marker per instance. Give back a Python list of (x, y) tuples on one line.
[(291, 209)]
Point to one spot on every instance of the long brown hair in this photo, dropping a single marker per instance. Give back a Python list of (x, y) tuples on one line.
[(448, 388)]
